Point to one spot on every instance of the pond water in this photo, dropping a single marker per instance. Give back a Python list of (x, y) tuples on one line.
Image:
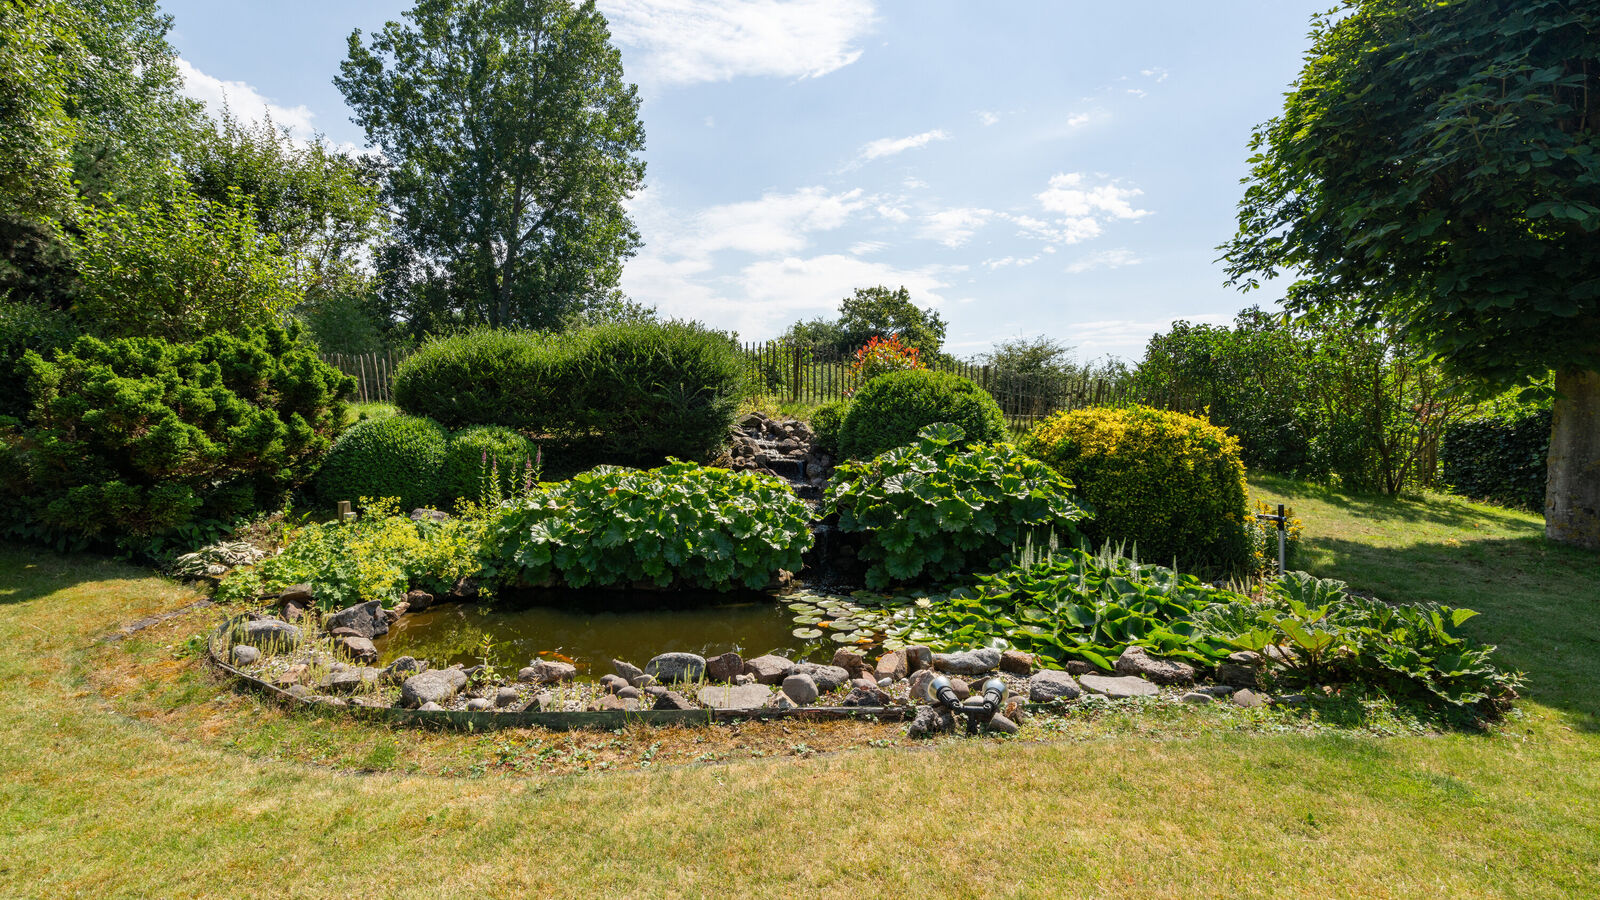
[(590, 628)]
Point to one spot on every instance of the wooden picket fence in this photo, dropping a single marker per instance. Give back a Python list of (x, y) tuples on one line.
[(373, 372)]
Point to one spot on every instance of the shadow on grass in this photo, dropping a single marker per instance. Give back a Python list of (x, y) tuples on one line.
[(1538, 602), (1401, 508), (29, 573)]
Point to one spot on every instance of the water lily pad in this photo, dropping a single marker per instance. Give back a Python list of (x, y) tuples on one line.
[(803, 607), (843, 637), (806, 634), (807, 620)]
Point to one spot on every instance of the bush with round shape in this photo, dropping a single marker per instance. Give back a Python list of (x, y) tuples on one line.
[(1168, 485), (518, 379), (891, 409), (827, 421), (400, 458), (476, 452), (943, 507)]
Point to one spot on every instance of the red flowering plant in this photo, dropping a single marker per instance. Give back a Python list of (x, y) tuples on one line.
[(880, 355)]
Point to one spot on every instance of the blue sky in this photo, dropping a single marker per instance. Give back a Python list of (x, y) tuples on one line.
[(1059, 168)]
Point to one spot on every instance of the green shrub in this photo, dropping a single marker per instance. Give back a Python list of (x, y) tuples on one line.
[(649, 390), (476, 452), (827, 423), (939, 508), (891, 409), (399, 457), (1500, 459), (379, 556), (682, 525), (1170, 485), (147, 445), (24, 327)]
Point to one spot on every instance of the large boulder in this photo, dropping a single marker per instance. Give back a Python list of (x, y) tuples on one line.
[(1117, 687), (669, 667), (724, 667), (432, 686), (768, 669), (891, 665), (723, 696), (1051, 684), (1137, 662), (827, 678), (366, 619), (268, 635), (971, 662), (800, 688), (672, 700)]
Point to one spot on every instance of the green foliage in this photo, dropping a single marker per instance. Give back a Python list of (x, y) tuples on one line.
[(36, 130), (868, 313), (136, 441), (379, 556), (939, 508), (24, 327), (681, 525), (514, 140), (397, 457), (1500, 459), (646, 391), (181, 268), (890, 411), (1263, 538), (1170, 484), (475, 453), (827, 424)]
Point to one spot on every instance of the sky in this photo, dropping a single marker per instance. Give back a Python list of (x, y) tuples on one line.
[(1060, 168)]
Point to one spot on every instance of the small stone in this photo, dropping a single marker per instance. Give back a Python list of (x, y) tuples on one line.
[(722, 696), (244, 655), (801, 688), (653, 690), (430, 707), (434, 685), (931, 720), (1219, 691), (725, 667), (971, 662), (292, 675), (630, 693), (417, 601), (671, 667), (1047, 685), (780, 700), (298, 594), (1016, 662), (850, 660), (1076, 667), (1118, 687), (743, 678), (298, 691), (478, 704), (628, 671), (268, 634), (357, 648), (885, 682), (1138, 662), (1242, 669), (1289, 700), (865, 696), (367, 619), (1001, 725), (543, 701), (547, 671), (505, 697), (399, 609), (403, 668), (918, 658), (673, 700), (340, 682), (827, 677), (643, 682), (920, 680), (862, 683), (892, 665), (423, 514), (768, 669), (343, 632), (1197, 697), (612, 683), (1248, 699), (961, 687)]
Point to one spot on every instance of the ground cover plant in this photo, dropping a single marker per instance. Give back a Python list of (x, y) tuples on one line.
[(680, 525), (942, 507)]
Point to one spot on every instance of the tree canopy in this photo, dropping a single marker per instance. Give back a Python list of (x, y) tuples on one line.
[(873, 312), (514, 140)]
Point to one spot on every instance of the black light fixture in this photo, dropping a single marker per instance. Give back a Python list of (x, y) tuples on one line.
[(977, 713)]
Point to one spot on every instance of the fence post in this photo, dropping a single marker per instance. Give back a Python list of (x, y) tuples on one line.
[(795, 383)]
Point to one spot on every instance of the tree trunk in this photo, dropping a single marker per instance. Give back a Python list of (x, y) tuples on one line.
[(1572, 493)]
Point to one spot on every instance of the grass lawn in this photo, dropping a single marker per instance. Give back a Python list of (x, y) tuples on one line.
[(130, 771)]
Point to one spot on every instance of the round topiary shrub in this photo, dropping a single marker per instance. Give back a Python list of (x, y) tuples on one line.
[(475, 452), (827, 421), (1169, 485), (401, 457), (518, 379), (891, 409)]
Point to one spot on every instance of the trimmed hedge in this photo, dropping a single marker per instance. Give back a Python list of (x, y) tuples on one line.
[(892, 409), (827, 422), (1499, 459), (1170, 485), (645, 391), (146, 445), (399, 457), (471, 454)]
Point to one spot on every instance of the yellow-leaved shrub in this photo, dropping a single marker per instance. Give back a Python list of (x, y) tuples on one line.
[(1169, 486)]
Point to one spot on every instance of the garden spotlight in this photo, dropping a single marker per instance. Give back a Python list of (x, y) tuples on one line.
[(978, 711)]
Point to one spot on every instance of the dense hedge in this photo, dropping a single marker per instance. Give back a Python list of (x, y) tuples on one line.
[(398, 457), (646, 391), (1169, 485), (24, 327), (476, 452), (145, 445), (1501, 460), (827, 423), (891, 409)]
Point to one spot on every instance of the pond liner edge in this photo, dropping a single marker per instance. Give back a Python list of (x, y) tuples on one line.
[(599, 720)]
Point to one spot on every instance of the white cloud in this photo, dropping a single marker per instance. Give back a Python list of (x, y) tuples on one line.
[(1004, 261), (244, 101), (892, 213), (1103, 259), (776, 223), (1068, 195), (1069, 230), (693, 41), (953, 227), (890, 146), (1156, 72), (987, 117), (786, 288), (913, 183), (1079, 119), (867, 248)]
